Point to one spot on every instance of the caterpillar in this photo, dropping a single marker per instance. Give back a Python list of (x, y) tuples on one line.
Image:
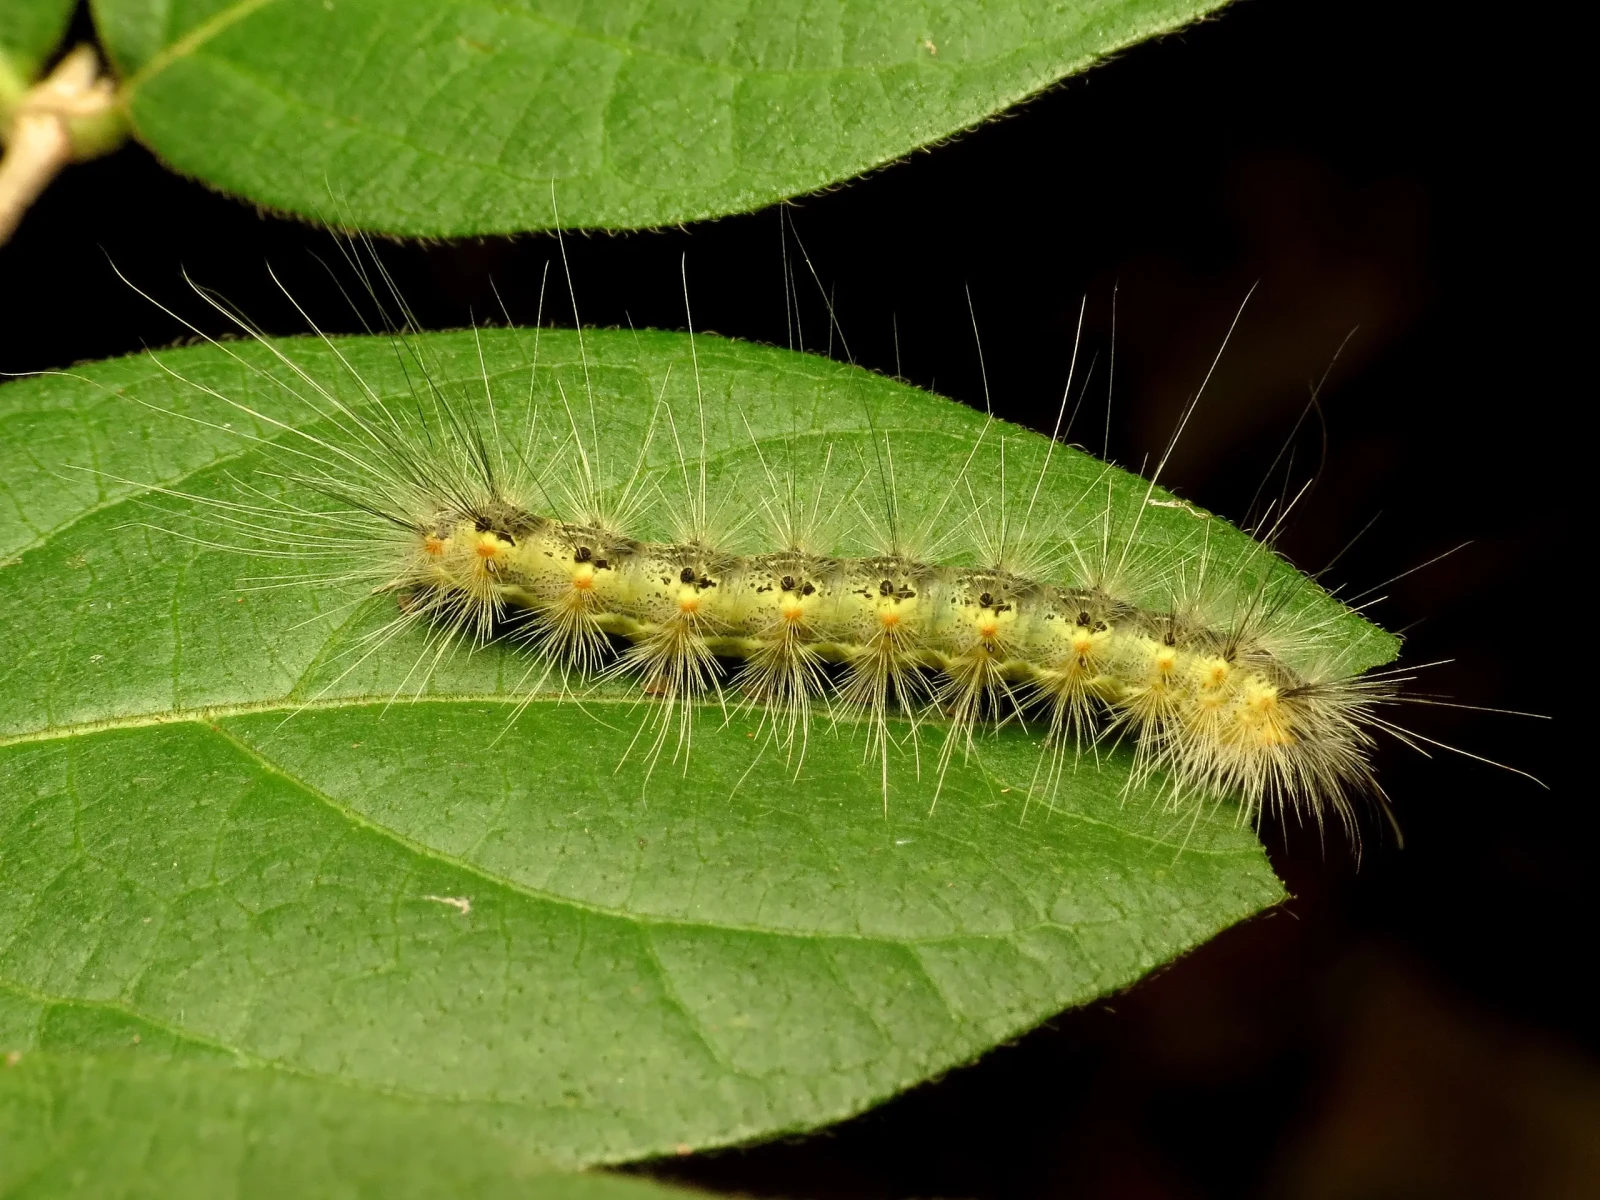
[(915, 604)]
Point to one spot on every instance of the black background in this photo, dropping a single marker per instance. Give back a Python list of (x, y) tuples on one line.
[(1413, 1025)]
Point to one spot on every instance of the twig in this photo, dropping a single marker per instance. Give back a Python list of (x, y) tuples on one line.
[(69, 116)]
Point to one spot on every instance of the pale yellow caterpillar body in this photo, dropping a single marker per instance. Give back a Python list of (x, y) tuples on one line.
[(1211, 706)]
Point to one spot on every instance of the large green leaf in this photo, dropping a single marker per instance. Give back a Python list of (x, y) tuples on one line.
[(128, 1126), (451, 117), (213, 837)]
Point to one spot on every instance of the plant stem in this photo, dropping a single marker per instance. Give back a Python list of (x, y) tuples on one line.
[(69, 116)]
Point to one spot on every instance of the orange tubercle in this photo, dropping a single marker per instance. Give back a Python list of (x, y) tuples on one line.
[(689, 604), (583, 578), (487, 546), (433, 545), (889, 618), (791, 609)]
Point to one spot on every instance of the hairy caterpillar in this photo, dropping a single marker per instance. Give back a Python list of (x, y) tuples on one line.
[(920, 600)]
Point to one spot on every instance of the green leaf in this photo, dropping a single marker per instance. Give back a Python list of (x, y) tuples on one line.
[(30, 31), (457, 117), (127, 1125), (216, 833)]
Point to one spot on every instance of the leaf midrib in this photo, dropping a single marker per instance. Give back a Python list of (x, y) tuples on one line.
[(190, 42), (206, 716)]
